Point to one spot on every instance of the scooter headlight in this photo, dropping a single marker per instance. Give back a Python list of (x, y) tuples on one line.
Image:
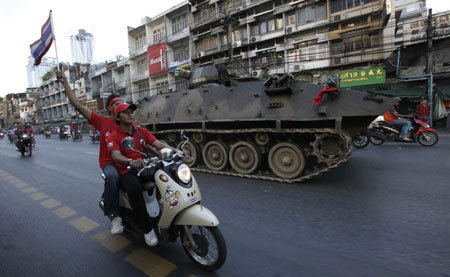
[(24, 136), (184, 173)]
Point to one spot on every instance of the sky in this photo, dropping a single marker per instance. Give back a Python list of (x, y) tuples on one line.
[(106, 20)]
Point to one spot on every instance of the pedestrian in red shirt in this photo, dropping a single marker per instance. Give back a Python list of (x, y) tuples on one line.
[(106, 126), (125, 157), (423, 111)]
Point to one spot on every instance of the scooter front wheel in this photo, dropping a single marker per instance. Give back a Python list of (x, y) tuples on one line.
[(428, 138), (361, 141), (205, 246)]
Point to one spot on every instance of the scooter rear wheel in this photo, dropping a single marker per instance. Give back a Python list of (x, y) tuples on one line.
[(361, 141), (210, 251), (428, 138)]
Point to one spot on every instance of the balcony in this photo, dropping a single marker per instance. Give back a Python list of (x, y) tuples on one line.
[(178, 36)]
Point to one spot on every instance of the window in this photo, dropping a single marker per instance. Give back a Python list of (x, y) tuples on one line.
[(158, 35), (179, 23), (340, 5), (181, 53), (311, 13), (139, 41), (267, 26), (207, 44)]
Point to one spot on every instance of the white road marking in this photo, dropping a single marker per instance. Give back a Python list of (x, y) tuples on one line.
[(59, 149), (93, 153)]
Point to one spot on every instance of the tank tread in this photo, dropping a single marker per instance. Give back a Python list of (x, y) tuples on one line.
[(301, 178)]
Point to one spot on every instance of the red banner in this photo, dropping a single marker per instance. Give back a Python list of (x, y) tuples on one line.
[(157, 59)]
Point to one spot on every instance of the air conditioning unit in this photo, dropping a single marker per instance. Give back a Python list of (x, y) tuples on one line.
[(289, 30), (254, 39), (255, 73), (237, 43), (200, 54)]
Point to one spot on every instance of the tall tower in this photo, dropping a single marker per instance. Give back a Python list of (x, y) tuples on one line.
[(82, 46), (35, 73)]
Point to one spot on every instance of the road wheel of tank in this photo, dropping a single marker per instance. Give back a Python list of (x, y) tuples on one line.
[(286, 160), (329, 148), (245, 157), (172, 137), (192, 150), (215, 155), (262, 138), (198, 137)]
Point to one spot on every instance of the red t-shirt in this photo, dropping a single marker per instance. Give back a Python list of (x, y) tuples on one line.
[(106, 126), (115, 143), (423, 111)]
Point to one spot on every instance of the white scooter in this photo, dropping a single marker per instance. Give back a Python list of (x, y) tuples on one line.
[(175, 203)]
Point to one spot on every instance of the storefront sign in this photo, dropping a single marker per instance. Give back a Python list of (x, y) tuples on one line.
[(362, 77), (157, 59)]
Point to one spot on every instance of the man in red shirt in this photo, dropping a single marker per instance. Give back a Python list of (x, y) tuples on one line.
[(126, 157), (106, 126), (423, 111)]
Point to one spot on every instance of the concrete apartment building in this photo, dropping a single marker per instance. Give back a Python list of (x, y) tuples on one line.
[(307, 38), (55, 105), (158, 47)]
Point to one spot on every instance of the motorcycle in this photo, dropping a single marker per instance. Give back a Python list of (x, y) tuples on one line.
[(77, 136), (2, 135), (25, 144), (48, 134), (64, 135), (361, 140), (173, 198), (11, 137), (420, 132), (95, 136)]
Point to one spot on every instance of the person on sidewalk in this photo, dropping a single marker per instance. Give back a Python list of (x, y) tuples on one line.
[(423, 111), (392, 117), (106, 126)]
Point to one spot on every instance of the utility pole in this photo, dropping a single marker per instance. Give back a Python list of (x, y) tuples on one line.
[(429, 67)]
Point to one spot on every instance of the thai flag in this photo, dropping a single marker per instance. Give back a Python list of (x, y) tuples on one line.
[(41, 46)]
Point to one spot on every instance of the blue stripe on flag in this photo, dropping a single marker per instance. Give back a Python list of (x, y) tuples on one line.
[(42, 44)]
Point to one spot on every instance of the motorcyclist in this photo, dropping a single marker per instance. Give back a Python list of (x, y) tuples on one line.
[(17, 134), (106, 125), (125, 157), (392, 117)]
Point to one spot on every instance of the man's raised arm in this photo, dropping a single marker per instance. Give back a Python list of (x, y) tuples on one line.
[(73, 99)]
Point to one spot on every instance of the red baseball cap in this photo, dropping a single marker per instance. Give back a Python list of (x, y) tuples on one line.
[(123, 106)]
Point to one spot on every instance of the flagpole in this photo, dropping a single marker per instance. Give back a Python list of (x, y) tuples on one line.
[(54, 39)]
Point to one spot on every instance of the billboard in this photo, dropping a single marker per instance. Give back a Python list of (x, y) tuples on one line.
[(362, 77), (157, 59)]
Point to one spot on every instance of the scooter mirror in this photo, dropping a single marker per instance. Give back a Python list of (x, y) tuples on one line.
[(128, 143)]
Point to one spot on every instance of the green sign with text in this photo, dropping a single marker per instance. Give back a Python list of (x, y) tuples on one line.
[(362, 77)]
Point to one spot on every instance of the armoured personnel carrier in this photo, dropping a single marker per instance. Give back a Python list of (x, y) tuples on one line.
[(267, 130)]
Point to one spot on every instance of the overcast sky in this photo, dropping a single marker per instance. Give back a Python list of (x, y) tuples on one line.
[(106, 20)]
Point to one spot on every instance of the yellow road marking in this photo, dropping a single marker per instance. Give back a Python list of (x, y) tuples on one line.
[(84, 224), (64, 212), (21, 185), (9, 177), (38, 196), (15, 181), (3, 173), (50, 203), (28, 190), (149, 263), (111, 242)]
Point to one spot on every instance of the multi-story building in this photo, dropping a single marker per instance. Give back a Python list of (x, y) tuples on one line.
[(35, 73), (56, 107), (82, 47), (158, 47), (3, 112), (29, 106), (307, 38)]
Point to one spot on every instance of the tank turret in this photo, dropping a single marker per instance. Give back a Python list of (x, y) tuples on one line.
[(278, 129)]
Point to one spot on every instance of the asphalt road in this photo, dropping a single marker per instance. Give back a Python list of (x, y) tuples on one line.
[(386, 212)]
